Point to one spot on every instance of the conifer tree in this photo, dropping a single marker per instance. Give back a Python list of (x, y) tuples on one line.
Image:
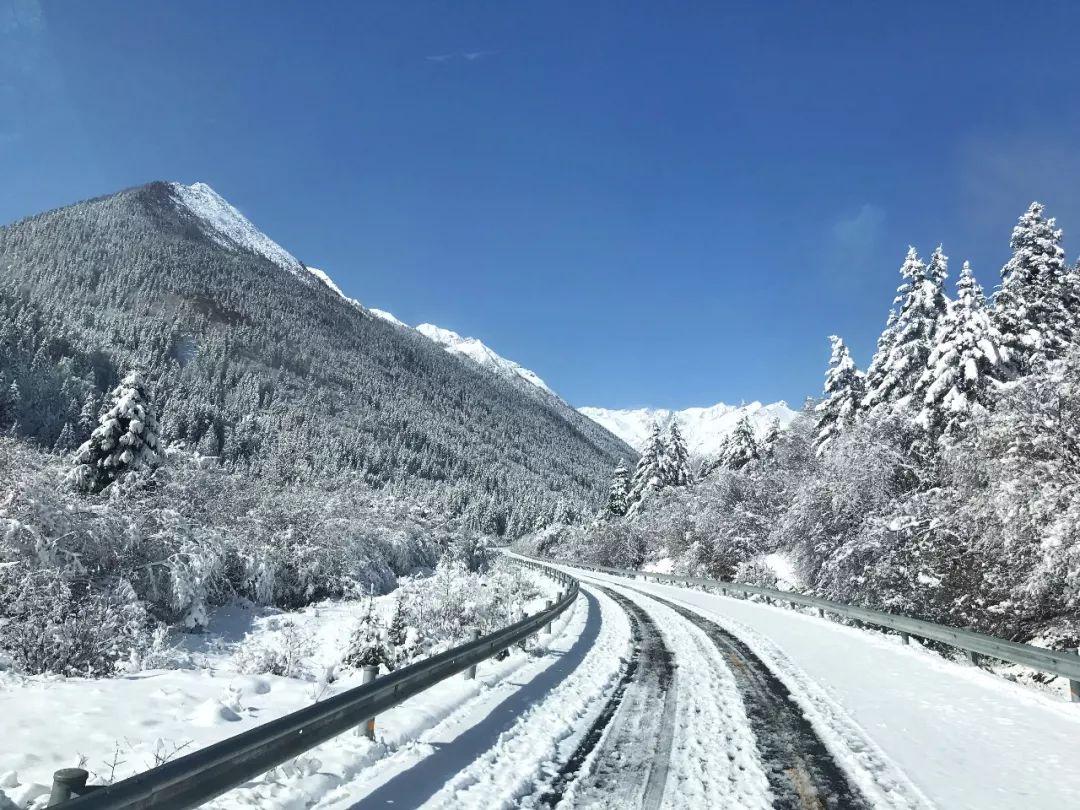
[(125, 440), (675, 461), (772, 434), (9, 405), (367, 645), (743, 446), (922, 304), (396, 633), (620, 490), (1032, 306), (875, 373), (66, 440), (647, 473), (844, 390), (967, 356)]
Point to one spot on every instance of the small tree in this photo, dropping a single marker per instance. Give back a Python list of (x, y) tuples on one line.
[(367, 646), (1031, 308), (9, 405), (647, 473), (743, 447), (126, 439), (922, 303), (967, 355), (675, 461), (620, 490), (844, 390)]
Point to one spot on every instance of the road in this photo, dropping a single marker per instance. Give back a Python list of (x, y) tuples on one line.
[(651, 696)]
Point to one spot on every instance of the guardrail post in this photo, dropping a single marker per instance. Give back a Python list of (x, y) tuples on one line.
[(821, 613), (470, 673), (369, 674), (905, 637), (67, 783), (547, 627), (1074, 686), (973, 657)]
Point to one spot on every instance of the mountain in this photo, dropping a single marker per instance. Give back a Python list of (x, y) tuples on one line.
[(481, 354), (703, 428), (261, 361)]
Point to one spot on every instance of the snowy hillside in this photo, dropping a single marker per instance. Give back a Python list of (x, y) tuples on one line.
[(229, 228), (478, 352), (703, 428)]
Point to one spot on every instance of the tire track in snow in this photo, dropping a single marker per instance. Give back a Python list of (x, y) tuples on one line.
[(802, 773), (623, 758)]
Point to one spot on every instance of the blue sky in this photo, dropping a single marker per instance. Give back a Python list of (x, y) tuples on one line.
[(664, 204)]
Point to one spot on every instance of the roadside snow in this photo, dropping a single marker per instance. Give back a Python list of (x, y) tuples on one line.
[(500, 749), (781, 566), (120, 726)]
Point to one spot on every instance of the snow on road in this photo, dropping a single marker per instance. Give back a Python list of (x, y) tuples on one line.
[(714, 760), (623, 758), (907, 725)]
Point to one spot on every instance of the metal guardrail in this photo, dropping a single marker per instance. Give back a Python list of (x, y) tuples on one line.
[(1063, 664), (200, 776)]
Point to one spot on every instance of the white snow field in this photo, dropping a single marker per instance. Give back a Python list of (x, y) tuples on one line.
[(908, 726), (116, 727)]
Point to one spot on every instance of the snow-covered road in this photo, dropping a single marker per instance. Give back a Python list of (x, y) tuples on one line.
[(656, 696), (908, 727)]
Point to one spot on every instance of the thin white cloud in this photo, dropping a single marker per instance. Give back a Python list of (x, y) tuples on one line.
[(467, 56), (853, 241)]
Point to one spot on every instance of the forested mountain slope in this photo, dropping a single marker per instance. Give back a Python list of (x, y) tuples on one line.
[(258, 362)]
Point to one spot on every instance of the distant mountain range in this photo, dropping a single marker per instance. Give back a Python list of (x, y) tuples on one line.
[(703, 428), (262, 361)]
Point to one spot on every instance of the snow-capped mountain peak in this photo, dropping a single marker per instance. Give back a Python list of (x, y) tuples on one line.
[(479, 353), (329, 282), (229, 228), (383, 315), (703, 428)]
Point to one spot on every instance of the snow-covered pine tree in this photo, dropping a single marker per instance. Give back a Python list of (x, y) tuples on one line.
[(1031, 308), (647, 473), (922, 303), (125, 440), (395, 634), (620, 490), (367, 645), (772, 435), (743, 445), (66, 440), (967, 356), (875, 373), (9, 405), (717, 462), (675, 461), (88, 415), (844, 390)]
